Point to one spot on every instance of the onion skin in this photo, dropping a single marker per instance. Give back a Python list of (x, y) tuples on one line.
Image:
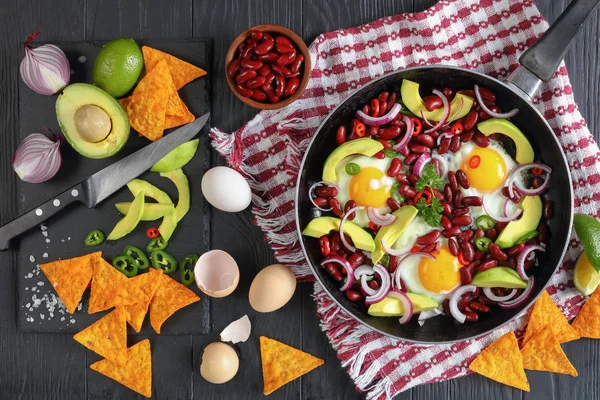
[(37, 159), (44, 69)]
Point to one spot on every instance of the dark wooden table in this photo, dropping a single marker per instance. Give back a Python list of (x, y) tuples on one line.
[(54, 366)]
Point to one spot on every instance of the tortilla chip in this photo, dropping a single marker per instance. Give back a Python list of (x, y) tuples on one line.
[(107, 337), (282, 363), (171, 121), (502, 361), (543, 353), (136, 374), (544, 313), (147, 105), (110, 288), (70, 277), (181, 71), (170, 297), (587, 322), (148, 282)]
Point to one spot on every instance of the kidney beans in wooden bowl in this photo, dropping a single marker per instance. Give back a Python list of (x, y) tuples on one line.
[(268, 66)]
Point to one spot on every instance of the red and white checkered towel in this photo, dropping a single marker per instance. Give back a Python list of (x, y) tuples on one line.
[(486, 35)]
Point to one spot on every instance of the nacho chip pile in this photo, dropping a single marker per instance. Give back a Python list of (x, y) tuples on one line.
[(155, 104)]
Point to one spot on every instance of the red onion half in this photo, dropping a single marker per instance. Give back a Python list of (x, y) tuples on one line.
[(37, 158), (44, 69), (491, 113), (455, 298), (406, 304), (377, 121)]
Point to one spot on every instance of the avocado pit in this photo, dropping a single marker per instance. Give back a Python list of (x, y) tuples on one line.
[(93, 123)]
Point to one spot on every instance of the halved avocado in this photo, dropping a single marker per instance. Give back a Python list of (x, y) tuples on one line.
[(525, 153), (130, 221), (323, 225), (93, 122), (532, 213), (411, 98), (391, 233), (152, 211), (392, 307), (365, 146), (499, 277)]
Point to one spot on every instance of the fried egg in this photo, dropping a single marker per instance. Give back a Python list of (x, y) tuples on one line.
[(370, 187)]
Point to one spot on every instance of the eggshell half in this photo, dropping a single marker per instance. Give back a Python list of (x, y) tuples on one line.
[(219, 364), (272, 288), (217, 274)]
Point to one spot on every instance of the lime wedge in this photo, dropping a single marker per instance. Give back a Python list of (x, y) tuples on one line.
[(585, 277)]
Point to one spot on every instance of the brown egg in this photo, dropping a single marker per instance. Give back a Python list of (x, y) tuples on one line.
[(219, 364), (272, 288), (216, 273)]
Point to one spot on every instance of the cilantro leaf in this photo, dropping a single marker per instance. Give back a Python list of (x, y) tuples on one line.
[(431, 213), (429, 177)]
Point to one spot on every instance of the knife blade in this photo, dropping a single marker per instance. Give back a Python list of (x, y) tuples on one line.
[(104, 182)]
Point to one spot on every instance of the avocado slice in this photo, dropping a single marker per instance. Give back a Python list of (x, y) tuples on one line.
[(525, 153), (177, 158), (391, 233), (323, 225), (392, 307), (130, 221), (409, 91), (500, 277), (152, 211), (532, 213), (93, 122), (365, 146), (150, 190), (183, 188), (168, 225)]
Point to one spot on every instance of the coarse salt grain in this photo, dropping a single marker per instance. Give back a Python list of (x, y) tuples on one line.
[(45, 255), (43, 227), (32, 259), (45, 233)]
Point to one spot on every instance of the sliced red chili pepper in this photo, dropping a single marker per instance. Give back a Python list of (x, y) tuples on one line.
[(373, 227), (424, 193), (474, 161), (536, 171), (456, 128), (415, 249), (359, 128), (461, 258), (152, 233), (418, 126)]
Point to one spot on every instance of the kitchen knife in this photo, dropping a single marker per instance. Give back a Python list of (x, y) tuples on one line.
[(104, 182)]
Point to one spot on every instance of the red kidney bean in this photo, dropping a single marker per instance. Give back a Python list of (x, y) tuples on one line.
[(487, 94), (465, 275), (395, 167), (386, 145), (470, 120), (251, 64), (356, 260), (433, 102), (428, 238), (470, 316), (444, 146), (336, 242), (479, 233), (353, 295), (462, 179), (500, 226), (273, 98), (259, 95), (324, 246), (233, 68), (268, 81), (264, 47), (468, 251), (382, 108), (448, 192), (466, 236), (321, 201), (283, 40), (282, 48), (437, 166), (340, 135), (491, 233), (463, 220), (256, 82), (412, 178), (472, 201), (516, 249), (455, 143), (437, 194), (374, 107), (333, 271), (286, 59), (392, 204), (495, 251), (446, 306), (295, 65), (291, 86), (393, 264), (391, 101), (473, 266), (467, 136), (280, 87), (460, 211), (407, 191), (244, 91), (336, 209), (454, 231), (456, 200), (548, 209), (245, 75), (426, 140), (411, 158), (402, 178), (447, 209), (429, 248), (477, 306), (350, 204), (247, 52), (445, 222), (326, 191), (383, 96), (536, 182), (453, 246), (464, 301), (391, 132), (379, 155), (449, 93), (269, 57), (374, 131), (452, 181), (481, 140), (264, 70), (256, 35), (279, 70), (418, 148)]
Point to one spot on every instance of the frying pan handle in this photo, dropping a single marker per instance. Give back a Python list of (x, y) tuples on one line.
[(541, 60)]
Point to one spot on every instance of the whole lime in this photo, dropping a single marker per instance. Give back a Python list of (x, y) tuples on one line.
[(118, 66)]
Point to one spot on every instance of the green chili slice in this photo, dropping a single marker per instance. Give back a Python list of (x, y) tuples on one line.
[(157, 244), (352, 168), (527, 236), (485, 223), (395, 194), (125, 264), (390, 153), (187, 269), (482, 243), (163, 260), (94, 238), (138, 255)]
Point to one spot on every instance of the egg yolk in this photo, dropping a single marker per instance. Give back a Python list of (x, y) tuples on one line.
[(440, 275), (366, 190), (485, 169)]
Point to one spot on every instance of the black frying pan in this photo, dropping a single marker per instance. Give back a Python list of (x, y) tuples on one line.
[(537, 64)]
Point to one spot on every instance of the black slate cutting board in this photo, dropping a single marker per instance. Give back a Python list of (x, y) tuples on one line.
[(63, 235)]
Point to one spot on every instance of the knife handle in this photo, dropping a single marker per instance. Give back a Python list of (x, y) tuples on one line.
[(39, 214)]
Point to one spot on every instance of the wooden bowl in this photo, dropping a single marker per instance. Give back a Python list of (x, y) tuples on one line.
[(273, 30)]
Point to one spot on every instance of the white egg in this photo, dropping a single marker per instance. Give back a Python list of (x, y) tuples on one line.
[(225, 189), (360, 182)]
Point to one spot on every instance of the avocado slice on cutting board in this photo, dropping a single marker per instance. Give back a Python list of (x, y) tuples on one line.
[(152, 211), (130, 221), (409, 92), (138, 185), (177, 157), (525, 154), (92, 121), (532, 213), (392, 307), (499, 277), (323, 225), (364, 146), (183, 188)]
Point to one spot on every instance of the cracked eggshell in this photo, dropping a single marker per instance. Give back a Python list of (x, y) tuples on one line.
[(237, 331), (216, 273), (220, 363), (272, 288)]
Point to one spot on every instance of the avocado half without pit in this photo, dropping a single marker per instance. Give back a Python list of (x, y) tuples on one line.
[(93, 122)]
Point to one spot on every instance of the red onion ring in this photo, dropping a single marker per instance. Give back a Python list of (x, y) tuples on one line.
[(490, 295), (403, 261), (386, 284), (393, 252), (364, 269), (348, 246), (507, 305), (491, 113), (425, 315), (406, 304), (379, 219), (423, 159), (455, 298), (410, 128), (445, 115), (450, 119), (443, 164), (508, 218), (377, 121), (364, 284), (442, 136), (523, 256), (344, 263), (313, 187), (512, 180)]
